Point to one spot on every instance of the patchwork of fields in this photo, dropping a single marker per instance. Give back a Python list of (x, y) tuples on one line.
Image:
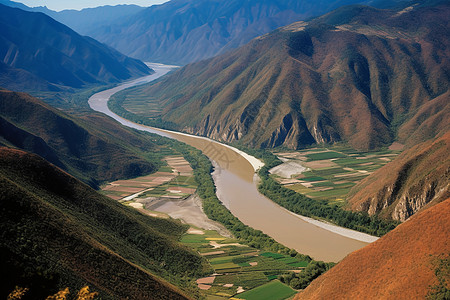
[(328, 174), (241, 271)]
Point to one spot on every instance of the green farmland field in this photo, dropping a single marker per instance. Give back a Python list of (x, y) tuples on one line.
[(273, 290), (333, 171)]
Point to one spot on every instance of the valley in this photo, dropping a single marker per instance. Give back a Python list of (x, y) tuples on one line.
[(225, 149), (169, 193), (237, 189)]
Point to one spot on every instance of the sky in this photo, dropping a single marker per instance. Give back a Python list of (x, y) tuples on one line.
[(80, 4)]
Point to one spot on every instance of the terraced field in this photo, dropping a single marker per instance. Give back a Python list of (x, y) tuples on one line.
[(136, 101), (330, 173), (239, 268)]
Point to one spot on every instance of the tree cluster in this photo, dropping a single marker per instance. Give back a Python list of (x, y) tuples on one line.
[(302, 280)]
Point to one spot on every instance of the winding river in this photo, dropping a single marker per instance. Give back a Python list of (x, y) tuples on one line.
[(236, 184)]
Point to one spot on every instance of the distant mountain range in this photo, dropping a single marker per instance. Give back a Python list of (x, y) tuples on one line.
[(57, 232), (38, 54), (183, 31), (410, 262), (85, 20), (92, 147), (359, 75)]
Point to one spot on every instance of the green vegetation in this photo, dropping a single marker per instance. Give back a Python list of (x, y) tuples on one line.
[(441, 291), (273, 290), (334, 171), (311, 272), (325, 155), (240, 265), (235, 260), (305, 206)]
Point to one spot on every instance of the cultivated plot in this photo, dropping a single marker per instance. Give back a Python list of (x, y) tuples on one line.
[(239, 268), (328, 174)]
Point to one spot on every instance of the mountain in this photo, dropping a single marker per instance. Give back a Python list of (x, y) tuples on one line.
[(38, 53), (91, 146), (56, 232), (83, 21), (358, 75), (416, 180), (410, 262), (183, 31)]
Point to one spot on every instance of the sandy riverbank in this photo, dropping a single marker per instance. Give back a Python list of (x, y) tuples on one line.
[(188, 210), (353, 234)]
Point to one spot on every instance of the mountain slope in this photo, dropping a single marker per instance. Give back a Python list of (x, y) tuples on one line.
[(57, 232), (358, 75), (37, 48), (400, 265), (183, 31), (92, 147), (417, 179)]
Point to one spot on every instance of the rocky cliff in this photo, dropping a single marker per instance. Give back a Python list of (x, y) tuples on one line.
[(417, 179)]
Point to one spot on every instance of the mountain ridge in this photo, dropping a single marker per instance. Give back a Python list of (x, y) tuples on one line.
[(179, 32), (315, 83)]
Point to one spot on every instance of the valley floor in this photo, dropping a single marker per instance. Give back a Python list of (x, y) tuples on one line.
[(171, 193)]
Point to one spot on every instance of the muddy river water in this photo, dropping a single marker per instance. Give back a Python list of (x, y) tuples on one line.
[(236, 184)]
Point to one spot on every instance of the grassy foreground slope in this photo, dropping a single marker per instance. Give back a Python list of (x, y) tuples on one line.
[(56, 232), (417, 179), (410, 262), (92, 147)]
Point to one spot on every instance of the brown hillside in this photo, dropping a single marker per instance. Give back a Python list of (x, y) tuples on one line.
[(400, 265), (418, 178), (359, 79)]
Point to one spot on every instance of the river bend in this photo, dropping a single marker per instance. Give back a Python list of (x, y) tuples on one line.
[(236, 184)]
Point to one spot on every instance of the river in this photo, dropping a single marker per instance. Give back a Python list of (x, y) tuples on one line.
[(236, 184)]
